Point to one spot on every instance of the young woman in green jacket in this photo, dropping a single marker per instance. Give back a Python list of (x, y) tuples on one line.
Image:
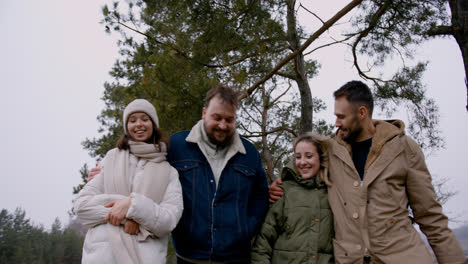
[(299, 227)]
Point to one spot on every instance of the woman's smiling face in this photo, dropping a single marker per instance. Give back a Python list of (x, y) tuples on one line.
[(307, 159), (139, 127)]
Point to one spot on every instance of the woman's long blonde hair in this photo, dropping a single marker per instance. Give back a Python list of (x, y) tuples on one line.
[(321, 144)]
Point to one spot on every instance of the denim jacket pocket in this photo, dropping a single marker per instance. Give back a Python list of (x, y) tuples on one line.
[(188, 169), (244, 182), (244, 171), (244, 177), (183, 166)]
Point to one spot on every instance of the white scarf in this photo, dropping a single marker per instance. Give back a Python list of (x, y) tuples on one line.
[(153, 185)]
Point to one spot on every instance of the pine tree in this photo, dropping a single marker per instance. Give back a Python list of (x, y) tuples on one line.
[(23, 242), (172, 52)]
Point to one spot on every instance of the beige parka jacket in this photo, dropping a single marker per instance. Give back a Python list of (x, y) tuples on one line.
[(371, 216)]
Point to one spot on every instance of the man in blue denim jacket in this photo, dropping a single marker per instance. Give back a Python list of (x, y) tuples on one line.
[(224, 185)]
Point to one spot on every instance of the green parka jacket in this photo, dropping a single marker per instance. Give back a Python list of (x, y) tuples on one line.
[(299, 227)]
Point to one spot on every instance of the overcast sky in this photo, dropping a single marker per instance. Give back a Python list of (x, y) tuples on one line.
[(55, 57)]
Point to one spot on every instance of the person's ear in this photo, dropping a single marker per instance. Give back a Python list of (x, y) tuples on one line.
[(203, 113), (362, 112)]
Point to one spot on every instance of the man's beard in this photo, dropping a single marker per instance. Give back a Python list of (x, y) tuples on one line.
[(220, 144), (353, 131)]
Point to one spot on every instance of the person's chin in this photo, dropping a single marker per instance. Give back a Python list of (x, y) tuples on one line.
[(344, 134), (350, 138), (222, 141), (220, 137)]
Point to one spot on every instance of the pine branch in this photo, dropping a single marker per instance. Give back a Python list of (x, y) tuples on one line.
[(275, 100), (306, 44), (329, 44), (274, 130), (184, 54), (286, 75), (441, 31), (312, 13), (372, 24)]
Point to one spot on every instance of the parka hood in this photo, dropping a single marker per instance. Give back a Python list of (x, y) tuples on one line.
[(385, 130), (388, 129)]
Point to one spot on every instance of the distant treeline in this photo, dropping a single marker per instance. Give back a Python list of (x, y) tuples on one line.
[(462, 235), (461, 232), (23, 242)]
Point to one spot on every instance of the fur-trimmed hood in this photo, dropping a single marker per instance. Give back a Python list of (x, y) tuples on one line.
[(386, 130)]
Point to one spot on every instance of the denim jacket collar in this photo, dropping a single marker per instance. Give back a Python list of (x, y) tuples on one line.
[(196, 137)]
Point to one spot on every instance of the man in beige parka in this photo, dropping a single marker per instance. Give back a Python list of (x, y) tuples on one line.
[(376, 173)]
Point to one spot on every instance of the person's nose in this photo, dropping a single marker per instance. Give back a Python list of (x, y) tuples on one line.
[(337, 123), (300, 161), (222, 124)]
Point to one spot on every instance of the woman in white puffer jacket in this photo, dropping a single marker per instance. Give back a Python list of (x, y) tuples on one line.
[(134, 203)]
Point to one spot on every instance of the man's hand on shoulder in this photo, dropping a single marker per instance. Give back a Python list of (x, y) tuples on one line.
[(275, 191), (93, 172)]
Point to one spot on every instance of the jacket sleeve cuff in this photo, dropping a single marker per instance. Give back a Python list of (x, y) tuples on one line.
[(91, 210), (142, 209)]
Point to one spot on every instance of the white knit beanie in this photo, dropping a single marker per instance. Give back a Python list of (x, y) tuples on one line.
[(139, 105)]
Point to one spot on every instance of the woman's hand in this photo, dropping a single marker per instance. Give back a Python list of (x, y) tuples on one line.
[(131, 227), (118, 211)]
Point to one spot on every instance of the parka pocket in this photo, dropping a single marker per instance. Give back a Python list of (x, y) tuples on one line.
[(397, 228), (347, 252)]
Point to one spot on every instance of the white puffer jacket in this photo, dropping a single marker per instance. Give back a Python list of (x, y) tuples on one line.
[(159, 220)]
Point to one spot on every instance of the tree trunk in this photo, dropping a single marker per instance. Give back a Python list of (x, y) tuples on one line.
[(459, 9), (300, 75), (266, 150)]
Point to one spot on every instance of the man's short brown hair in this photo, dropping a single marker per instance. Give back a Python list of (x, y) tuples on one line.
[(357, 93), (226, 93)]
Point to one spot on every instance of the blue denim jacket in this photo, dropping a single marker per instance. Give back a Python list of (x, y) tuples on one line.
[(218, 224)]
